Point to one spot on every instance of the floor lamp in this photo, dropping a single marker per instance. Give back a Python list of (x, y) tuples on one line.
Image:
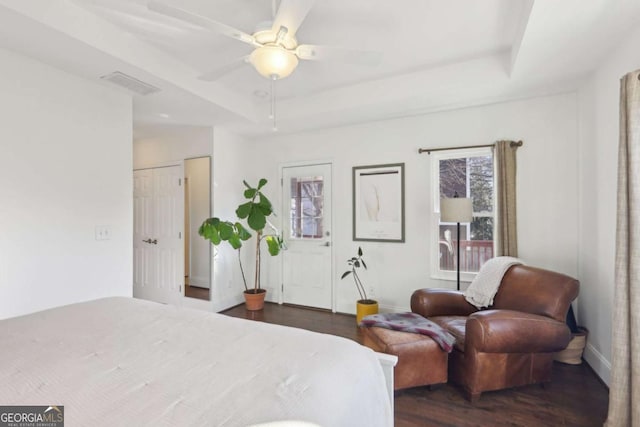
[(456, 209)]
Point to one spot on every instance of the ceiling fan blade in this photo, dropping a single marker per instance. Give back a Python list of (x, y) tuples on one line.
[(201, 21), (290, 15), (330, 53), (225, 69)]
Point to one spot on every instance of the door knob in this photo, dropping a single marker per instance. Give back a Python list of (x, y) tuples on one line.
[(147, 241), (154, 241)]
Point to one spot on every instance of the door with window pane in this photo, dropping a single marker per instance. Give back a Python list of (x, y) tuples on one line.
[(307, 234)]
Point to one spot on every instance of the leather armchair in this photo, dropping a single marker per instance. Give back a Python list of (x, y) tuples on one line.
[(511, 343)]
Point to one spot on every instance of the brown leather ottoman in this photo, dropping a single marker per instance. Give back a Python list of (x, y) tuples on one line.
[(421, 361)]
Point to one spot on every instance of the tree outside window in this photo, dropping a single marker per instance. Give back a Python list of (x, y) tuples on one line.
[(306, 208)]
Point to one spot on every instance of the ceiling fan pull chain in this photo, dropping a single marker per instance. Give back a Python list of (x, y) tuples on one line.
[(272, 84), (273, 102)]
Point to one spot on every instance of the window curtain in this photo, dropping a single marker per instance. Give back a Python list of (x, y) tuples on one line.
[(624, 410), (505, 173)]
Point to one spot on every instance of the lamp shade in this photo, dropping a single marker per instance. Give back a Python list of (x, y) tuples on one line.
[(456, 209), (273, 61)]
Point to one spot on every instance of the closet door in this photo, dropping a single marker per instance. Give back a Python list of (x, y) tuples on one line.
[(143, 253), (158, 221)]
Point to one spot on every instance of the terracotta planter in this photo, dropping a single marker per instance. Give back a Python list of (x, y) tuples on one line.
[(254, 302), (365, 307)]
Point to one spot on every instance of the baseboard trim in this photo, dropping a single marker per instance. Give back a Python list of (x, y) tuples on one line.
[(227, 303), (382, 308), (600, 365), (393, 308)]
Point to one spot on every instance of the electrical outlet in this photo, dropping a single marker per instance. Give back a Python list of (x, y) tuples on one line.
[(103, 232)]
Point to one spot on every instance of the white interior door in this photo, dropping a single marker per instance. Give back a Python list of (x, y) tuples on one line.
[(306, 264), (158, 228), (143, 252)]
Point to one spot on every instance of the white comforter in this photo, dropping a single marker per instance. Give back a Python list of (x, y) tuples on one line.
[(126, 362)]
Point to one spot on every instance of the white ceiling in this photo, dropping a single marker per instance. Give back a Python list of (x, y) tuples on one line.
[(435, 54)]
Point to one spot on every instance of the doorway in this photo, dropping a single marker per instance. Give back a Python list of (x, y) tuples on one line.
[(158, 264), (197, 208), (307, 262)]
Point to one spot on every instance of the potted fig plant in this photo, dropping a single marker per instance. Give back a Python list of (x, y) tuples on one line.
[(256, 211), (364, 305)]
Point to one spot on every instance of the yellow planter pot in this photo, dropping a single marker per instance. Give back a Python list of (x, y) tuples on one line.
[(365, 308)]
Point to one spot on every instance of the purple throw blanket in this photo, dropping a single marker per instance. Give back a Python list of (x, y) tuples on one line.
[(411, 322)]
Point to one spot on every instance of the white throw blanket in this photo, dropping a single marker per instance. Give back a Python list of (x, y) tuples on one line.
[(486, 283)]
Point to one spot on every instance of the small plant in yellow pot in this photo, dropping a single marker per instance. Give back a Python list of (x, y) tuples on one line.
[(364, 306)]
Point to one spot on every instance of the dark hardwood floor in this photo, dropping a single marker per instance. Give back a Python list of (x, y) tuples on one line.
[(195, 292), (576, 397)]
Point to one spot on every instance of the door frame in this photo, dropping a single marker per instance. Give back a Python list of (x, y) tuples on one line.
[(176, 300), (281, 167)]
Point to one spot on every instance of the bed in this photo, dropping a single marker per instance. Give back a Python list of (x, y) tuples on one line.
[(123, 361)]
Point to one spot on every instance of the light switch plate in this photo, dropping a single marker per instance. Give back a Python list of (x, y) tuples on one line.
[(103, 232)]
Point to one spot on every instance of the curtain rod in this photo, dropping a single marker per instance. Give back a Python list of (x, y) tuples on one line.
[(429, 150)]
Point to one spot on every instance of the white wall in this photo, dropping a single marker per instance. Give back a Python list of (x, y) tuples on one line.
[(547, 187), (230, 167), (599, 132), (171, 144), (65, 167)]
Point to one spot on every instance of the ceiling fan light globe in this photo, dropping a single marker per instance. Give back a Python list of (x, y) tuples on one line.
[(273, 61)]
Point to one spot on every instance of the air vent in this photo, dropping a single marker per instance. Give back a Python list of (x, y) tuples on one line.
[(130, 83)]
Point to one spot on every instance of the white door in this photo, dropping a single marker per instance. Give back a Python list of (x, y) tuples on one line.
[(158, 228), (306, 264), (143, 253)]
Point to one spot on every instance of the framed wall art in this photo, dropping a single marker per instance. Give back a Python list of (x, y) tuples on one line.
[(378, 203)]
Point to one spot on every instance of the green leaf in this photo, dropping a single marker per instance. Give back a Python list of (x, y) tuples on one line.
[(263, 210), (345, 274), (256, 220), (210, 233), (356, 263), (250, 193), (244, 210), (209, 222), (214, 237), (262, 183), (226, 230), (245, 184), (243, 234), (265, 205), (235, 242), (363, 264), (273, 245), (359, 251)]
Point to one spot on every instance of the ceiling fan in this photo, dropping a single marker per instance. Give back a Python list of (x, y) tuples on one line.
[(277, 51)]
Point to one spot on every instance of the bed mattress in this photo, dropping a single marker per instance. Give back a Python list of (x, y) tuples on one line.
[(122, 361)]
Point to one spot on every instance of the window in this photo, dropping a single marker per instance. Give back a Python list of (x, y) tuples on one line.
[(306, 208), (469, 173)]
